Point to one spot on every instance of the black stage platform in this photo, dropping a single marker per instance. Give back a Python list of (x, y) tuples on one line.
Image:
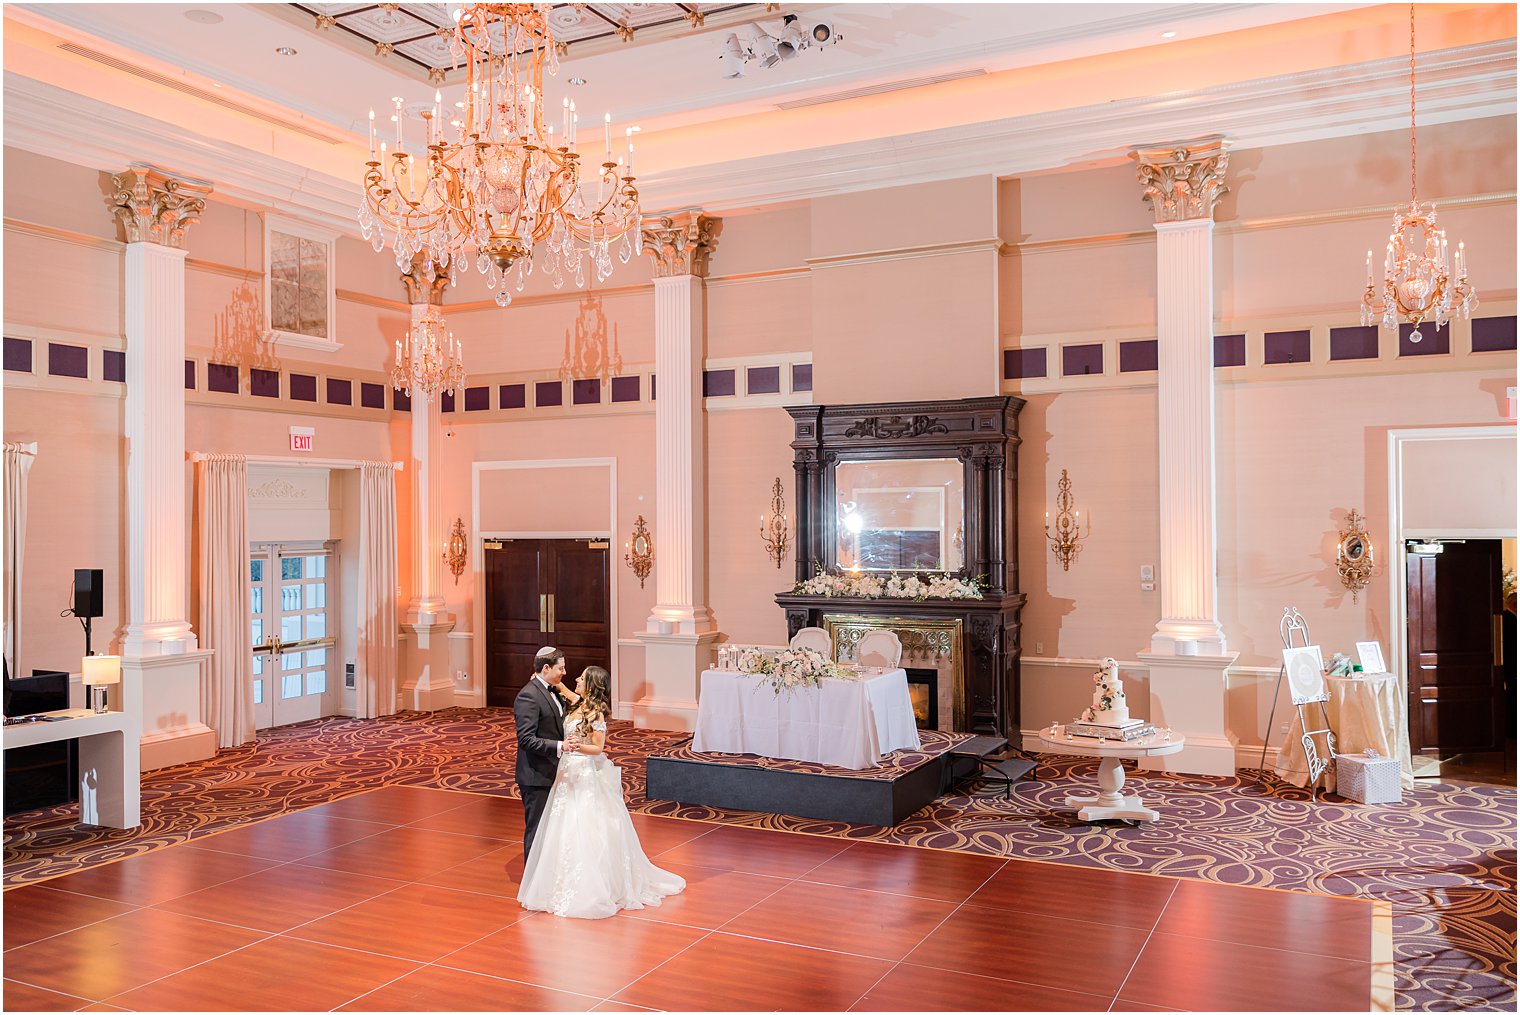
[(907, 781)]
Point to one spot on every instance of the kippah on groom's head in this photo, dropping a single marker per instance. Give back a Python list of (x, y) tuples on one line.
[(547, 656)]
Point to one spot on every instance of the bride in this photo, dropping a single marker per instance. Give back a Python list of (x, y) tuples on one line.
[(586, 860)]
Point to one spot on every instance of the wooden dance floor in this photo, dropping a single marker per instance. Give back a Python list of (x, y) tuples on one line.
[(404, 899)]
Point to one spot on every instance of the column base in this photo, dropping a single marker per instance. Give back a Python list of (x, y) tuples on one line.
[(685, 620), (1188, 638), (169, 638), (176, 697), (673, 665), (1188, 694), (427, 683)]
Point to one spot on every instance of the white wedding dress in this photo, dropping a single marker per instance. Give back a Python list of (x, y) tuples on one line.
[(587, 861)]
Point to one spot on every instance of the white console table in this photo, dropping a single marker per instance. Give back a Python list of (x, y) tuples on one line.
[(110, 754)]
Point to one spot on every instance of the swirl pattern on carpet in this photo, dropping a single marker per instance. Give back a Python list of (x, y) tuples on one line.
[(1444, 858)]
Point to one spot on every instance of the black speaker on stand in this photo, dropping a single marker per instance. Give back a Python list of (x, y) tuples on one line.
[(89, 599)]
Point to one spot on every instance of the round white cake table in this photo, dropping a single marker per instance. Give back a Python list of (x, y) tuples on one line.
[(1110, 801)]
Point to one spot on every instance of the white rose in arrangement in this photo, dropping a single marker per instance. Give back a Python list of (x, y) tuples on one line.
[(791, 668), (896, 586)]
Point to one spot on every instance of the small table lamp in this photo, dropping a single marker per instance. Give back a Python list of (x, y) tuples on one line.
[(98, 672)]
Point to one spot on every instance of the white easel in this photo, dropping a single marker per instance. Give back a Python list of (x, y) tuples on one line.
[(1295, 634)]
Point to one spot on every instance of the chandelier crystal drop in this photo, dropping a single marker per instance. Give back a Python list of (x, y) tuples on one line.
[(428, 360), (493, 183), (1417, 284)]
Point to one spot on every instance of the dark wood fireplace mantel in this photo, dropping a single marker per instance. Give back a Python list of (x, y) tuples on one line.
[(982, 433)]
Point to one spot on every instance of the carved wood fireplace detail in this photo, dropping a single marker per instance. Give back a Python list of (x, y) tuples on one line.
[(947, 509)]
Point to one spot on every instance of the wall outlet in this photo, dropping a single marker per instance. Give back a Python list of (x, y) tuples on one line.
[(461, 677), (1039, 648), (1147, 572)]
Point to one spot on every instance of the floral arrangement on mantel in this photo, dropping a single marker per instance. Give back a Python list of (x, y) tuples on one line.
[(896, 586), (791, 668)]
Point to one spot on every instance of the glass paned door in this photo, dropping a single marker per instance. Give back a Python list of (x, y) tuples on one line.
[(293, 644)]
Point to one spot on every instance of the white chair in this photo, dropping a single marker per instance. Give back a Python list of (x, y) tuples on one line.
[(813, 638), (879, 648)]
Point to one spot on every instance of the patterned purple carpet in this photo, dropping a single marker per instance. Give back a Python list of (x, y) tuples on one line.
[(1444, 858)]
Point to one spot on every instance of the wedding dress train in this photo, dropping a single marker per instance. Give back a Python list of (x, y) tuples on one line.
[(587, 861)]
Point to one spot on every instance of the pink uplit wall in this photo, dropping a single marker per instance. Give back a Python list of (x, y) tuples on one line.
[(565, 501)]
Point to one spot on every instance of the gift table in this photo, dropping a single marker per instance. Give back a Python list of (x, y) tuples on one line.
[(1364, 713)]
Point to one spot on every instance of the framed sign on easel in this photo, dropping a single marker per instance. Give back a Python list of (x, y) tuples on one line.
[(1303, 666)]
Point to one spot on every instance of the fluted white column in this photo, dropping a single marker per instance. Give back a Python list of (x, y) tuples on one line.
[(155, 209), (428, 525), (1185, 413)]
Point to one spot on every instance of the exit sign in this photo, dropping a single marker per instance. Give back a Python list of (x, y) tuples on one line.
[(301, 438)]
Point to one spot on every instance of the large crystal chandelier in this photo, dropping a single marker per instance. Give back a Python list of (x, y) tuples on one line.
[(428, 360), (1417, 286), (496, 185)]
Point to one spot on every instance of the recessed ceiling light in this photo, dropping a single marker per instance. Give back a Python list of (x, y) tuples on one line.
[(285, 51), (1169, 35), (577, 82), (204, 17)]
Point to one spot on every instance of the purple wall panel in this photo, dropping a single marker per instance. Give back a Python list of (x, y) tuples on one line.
[(763, 380), (477, 399), (113, 365), (1433, 342), (339, 391), (1229, 350), (371, 396), (1022, 363), (586, 392), (1493, 334), (264, 383), (625, 389), (446, 401), (400, 400), (190, 374), (18, 355), (802, 377), (1080, 360), (1135, 357), (222, 377), (548, 393), (512, 396), (1286, 347), (303, 387), (68, 360), (717, 382), (1354, 343)]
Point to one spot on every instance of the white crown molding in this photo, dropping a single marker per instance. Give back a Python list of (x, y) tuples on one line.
[(1458, 84)]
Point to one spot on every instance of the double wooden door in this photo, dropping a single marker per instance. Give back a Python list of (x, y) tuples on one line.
[(1456, 650), (544, 592)]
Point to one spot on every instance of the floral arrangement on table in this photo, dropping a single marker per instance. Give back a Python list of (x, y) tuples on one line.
[(791, 668), (896, 586)]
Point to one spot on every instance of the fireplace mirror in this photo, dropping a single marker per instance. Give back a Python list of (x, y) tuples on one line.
[(899, 514)]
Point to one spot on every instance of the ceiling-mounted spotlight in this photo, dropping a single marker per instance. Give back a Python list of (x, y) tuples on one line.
[(732, 58), (792, 41), (824, 34), (763, 48)]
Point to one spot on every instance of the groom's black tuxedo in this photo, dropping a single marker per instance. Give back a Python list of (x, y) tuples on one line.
[(540, 723)]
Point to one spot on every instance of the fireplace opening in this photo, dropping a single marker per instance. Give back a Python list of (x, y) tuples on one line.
[(923, 689)]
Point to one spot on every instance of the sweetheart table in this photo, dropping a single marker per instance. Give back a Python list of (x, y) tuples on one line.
[(844, 723)]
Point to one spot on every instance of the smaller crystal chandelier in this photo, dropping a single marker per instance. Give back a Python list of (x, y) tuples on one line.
[(1417, 285), (428, 360), (1066, 540), (776, 531)]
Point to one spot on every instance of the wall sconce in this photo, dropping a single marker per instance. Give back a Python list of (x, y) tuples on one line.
[(776, 532), (640, 555), (98, 672), (1066, 541), (457, 551), (1355, 555)]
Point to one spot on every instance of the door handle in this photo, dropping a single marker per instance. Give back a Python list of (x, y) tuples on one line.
[(551, 613), (543, 614), (1499, 640)]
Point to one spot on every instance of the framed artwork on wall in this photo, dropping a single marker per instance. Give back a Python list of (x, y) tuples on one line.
[(1306, 674), (1370, 655)]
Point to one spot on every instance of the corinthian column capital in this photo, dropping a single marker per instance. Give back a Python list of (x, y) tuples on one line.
[(1183, 181), (425, 281), (681, 243), (154, 207)]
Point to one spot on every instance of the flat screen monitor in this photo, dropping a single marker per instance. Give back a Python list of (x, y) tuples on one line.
[(43, 691)]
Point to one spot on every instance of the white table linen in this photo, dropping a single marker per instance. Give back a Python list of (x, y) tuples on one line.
[(1363, 713), (844, 723)]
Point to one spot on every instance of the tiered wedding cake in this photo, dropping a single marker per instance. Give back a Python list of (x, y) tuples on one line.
[(1108, 718)]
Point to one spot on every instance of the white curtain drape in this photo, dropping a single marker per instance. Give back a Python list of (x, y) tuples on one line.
[(375, 672), (222, 522), (18, 465)]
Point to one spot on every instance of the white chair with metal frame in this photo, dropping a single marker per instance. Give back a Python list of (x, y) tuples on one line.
[(879, 648), (814, 638)]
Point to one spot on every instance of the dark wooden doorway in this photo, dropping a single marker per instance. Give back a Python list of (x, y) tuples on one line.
[(1455, 673), (544, 592)]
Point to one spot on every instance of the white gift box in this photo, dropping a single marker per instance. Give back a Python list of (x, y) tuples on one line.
[(1368, 778)]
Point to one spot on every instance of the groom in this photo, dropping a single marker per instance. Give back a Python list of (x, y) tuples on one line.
[(540, 717)]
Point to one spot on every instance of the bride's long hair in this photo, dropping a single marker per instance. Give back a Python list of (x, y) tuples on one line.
[(596, 693)]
